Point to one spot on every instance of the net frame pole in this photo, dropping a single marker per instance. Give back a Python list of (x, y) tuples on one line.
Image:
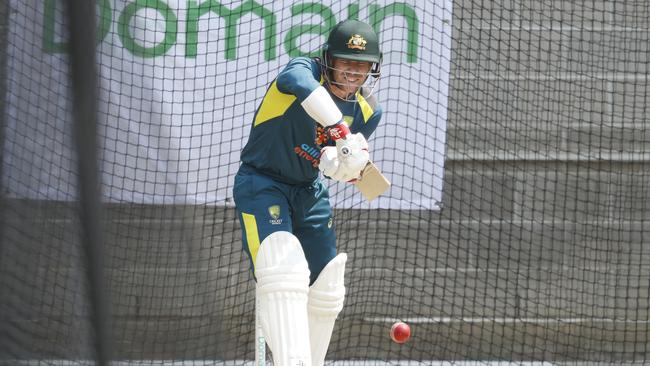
[(4, 212), (82, 30), (4, 25)]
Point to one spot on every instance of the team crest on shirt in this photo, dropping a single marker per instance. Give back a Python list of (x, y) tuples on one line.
[(322, 138), (357, 42), (274, 212)]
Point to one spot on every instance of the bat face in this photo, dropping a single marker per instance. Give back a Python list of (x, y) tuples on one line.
[(372, 183)]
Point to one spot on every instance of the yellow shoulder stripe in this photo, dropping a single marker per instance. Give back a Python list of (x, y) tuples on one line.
[(274, 104), (366, 109)]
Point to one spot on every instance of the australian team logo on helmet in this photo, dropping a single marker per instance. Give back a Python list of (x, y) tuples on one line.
[(357, 42), (353, 40)]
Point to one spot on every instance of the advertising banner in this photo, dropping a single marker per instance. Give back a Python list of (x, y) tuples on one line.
[(180, 82)]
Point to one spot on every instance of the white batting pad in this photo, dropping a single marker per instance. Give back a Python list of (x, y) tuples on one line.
[(282, 290), (326, 297)]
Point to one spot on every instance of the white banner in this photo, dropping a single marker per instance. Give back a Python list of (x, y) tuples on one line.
[(180, 82)]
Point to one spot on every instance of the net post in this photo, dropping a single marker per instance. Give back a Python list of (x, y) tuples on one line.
[(83, 74)]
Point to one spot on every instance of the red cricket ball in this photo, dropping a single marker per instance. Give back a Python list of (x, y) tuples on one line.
[(400, 332)]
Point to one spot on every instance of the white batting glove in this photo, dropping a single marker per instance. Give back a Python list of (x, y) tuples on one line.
[(351, 147), (345, 162), (353, 155), (329, 161)]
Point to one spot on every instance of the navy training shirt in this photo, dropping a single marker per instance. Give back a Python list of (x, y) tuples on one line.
[(284, 141)]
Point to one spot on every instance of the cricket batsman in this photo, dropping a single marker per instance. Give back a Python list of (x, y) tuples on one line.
[(315, 116)]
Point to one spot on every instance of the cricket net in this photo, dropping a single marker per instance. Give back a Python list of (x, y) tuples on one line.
[(514, 133)]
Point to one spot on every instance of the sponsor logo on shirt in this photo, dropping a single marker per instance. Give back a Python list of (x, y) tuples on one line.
[(308, 153)]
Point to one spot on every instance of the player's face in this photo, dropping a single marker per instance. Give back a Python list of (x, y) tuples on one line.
[(348, 76)]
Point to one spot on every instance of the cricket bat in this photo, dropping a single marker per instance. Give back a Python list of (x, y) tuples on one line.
[(372, 183)]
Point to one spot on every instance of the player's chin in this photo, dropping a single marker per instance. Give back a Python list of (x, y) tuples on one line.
[(348, 90), (352, 88), (351, 91)]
